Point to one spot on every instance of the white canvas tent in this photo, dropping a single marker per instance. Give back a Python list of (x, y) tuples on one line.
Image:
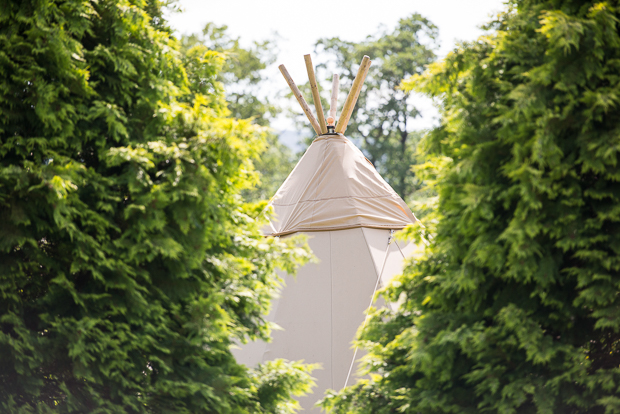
[(349, 212)]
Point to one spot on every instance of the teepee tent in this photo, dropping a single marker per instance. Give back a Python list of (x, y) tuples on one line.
[(336, 197)]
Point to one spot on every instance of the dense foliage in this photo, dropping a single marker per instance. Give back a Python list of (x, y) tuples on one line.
[(243, 76), (128, 262), (243, 70), (382, 119), (514, 307)]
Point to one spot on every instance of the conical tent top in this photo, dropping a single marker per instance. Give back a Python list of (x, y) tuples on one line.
[(335, 187)]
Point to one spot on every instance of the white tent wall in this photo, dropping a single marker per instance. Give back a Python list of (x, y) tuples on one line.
[(321, 308)]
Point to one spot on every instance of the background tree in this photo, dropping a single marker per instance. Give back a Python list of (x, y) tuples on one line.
[(273, 165), (243, 77), (381, 120), (514, 308), (242, 72), (128, 262)]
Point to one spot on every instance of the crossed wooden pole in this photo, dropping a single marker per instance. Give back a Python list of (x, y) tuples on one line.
[(320, 126)]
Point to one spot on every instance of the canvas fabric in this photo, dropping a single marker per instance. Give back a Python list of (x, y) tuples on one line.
[(335, 187)]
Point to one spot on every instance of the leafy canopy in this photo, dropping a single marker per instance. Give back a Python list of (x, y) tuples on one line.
[(243, 77), (128, 261), (243, 70), (514, 307)]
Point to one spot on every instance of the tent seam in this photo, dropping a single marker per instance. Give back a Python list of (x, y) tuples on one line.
[(334, 198), (316, 187), (331, 312), (369, 252), (333, 228)]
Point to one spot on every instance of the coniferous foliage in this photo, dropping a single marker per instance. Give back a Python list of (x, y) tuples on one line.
[(128, 263), (514, 307)]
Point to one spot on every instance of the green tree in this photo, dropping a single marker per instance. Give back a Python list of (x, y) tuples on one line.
[(128, 261), (273, 165), (243, 71), (243, 78), (514, 307), (381, 120)]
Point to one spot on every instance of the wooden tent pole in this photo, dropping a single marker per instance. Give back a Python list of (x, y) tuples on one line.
[(334, 101), (357, 94), (300, 99), (349, 104), (315, 94)]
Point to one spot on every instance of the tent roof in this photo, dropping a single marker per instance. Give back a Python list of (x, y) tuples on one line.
[(335, 187)]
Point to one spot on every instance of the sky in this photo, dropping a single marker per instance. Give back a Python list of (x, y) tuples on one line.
[(299, 24)]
